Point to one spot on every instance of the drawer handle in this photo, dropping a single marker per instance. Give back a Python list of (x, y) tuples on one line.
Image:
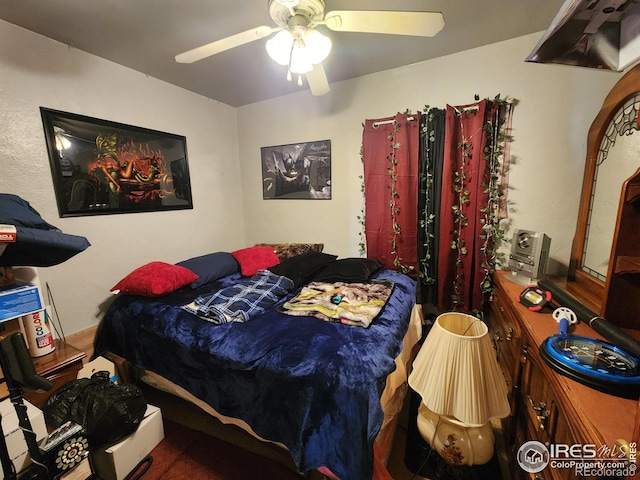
[(542, 414), (509, 336), (496, 338)]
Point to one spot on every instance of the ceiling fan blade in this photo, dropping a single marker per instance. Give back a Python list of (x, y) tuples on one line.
[(317, 79), (417, 24), (225, 44)]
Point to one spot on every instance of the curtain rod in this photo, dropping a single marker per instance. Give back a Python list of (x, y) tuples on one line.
[(471, 109), (384, 122)]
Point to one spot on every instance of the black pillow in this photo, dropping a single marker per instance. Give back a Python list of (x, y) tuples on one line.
[(301, 267), (348, 270), (210, 267)]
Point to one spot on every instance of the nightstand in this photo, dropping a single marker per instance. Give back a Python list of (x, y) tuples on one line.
[(60, 366)]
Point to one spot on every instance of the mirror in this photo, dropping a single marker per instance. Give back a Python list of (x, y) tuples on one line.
[(613, 154), (618, 158)]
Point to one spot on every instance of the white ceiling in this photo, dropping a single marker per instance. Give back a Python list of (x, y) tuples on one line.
[(145, 35)]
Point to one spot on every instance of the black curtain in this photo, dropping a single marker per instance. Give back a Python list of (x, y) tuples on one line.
[(431, 154)]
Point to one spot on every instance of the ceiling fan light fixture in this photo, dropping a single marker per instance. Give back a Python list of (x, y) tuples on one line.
[(318, 46), (290, 4), (300, 58), (298, 46), (279, 47)]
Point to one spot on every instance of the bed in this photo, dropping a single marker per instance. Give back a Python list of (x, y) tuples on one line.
[(327, 392)]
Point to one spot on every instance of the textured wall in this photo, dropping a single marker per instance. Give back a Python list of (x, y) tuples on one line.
[(36, 71), (556, 105)]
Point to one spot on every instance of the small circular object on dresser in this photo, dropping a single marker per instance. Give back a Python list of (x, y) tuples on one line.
[(595, 363)]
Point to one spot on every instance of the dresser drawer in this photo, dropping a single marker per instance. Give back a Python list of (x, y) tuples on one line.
[(538, 401), (506, 338)]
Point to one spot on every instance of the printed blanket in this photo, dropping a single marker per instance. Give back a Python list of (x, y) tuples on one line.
[(349, 303), (242, 301)]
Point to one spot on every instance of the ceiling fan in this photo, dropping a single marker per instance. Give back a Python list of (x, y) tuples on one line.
[(299, 46)]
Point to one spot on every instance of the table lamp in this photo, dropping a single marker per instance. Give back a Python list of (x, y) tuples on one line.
[(462, 388)]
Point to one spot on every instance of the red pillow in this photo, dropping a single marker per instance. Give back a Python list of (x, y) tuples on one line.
[(256, 258), (155, 279)]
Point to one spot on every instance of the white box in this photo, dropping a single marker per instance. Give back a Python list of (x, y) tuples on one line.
[(13, 436), (118, 460), (99, 364)]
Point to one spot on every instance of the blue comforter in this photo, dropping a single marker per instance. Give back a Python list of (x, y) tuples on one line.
[(311, 385)]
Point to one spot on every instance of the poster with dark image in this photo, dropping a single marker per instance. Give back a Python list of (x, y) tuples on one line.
[(297, 171), (103, 167)]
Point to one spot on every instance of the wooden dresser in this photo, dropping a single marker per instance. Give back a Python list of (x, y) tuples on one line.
[(545, 405)]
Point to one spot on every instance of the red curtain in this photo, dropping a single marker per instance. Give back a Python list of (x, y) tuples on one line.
[(464, 195), (390, 157)]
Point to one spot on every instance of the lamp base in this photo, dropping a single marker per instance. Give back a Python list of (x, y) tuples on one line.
[(457, 443), (422, 460)]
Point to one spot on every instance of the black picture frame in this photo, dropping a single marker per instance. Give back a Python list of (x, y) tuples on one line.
[(297, 171), (101, 167)]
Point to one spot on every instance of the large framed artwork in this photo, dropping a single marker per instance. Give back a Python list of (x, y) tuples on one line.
[(297, 170), (103, 167)]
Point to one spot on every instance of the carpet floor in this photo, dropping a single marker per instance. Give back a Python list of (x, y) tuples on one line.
[(193, 455)]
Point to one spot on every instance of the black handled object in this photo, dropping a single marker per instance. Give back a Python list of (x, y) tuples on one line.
[(609, 331), (18, 365)]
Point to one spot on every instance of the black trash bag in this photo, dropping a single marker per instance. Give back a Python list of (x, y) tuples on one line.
[(106, 411)]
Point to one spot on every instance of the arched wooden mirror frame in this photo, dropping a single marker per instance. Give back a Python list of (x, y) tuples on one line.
[(583, 286)]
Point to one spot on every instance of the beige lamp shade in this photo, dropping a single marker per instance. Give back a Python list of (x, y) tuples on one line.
[(456, 372)]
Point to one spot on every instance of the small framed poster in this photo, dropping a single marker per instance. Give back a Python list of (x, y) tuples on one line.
[(297, 170)]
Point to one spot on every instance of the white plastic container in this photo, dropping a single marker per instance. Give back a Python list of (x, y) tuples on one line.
[(36, 329)]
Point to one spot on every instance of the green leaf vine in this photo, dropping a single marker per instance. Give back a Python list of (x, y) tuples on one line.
[(362, 245), (460, 219), (392, 201), (427, 219), (492, 235)]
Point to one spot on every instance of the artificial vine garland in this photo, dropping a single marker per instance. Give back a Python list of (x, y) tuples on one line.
[(394, 208), (492, 234), (460, 219), (426, 220)]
